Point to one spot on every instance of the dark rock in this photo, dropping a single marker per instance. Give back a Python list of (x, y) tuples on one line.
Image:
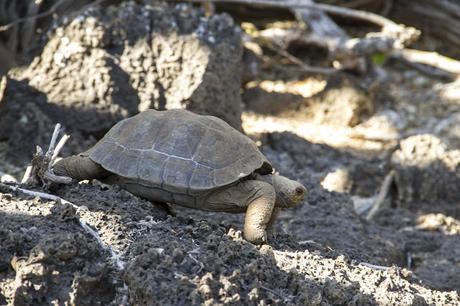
[(110, 63)]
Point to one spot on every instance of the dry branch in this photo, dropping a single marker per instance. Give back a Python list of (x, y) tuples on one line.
[(422, 60), (42, 163), (325, 33)]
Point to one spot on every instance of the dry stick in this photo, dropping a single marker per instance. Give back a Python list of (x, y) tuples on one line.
[(332, 9), (27, 174), (375, 267), (382, 195), (392, 35), (114, 254), (57, 129), (58, 148)]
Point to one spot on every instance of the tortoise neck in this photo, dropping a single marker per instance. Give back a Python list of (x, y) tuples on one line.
[(268, 178)]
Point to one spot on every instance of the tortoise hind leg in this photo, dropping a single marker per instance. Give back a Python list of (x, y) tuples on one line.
[(79, 167)]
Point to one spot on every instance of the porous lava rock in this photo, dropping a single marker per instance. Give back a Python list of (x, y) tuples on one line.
[(109, 63)]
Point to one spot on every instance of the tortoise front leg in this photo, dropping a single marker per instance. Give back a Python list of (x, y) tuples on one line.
[(255, 197), (271, 222), (259, 212)]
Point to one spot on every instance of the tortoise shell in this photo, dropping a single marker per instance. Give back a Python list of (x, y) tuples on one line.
[(178, 151)]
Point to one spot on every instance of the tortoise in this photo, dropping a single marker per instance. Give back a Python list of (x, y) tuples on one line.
[(196, 161)]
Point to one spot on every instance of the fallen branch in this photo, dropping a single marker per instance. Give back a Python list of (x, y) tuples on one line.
[(332, 9), (432, 59), (345, 52), (388, 26)]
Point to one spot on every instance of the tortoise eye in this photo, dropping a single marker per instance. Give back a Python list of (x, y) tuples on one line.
[(299, 191)]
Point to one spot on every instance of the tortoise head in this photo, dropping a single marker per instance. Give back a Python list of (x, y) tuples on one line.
[(289, 193)]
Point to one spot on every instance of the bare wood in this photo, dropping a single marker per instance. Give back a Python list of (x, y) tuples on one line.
[(347, 53), (58, 148), (429, 58), (27, 174), (3, 82), (382, 195), (375, 267), (42, 163), (41, 195), (331, 9)]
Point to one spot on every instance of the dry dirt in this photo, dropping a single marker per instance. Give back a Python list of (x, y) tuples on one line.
[(322, 253)]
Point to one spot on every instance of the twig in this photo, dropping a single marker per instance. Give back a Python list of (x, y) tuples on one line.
[(27, 174), (39, 194), (57, 129), (376, 267), (304, 242), (382, 195), (198, 262), (42, 163), (58, 148), (347, 53), (285, 298)]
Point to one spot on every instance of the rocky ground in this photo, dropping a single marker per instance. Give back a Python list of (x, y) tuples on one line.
[(336, 136)]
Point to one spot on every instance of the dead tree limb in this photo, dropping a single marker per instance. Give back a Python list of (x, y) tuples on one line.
[(325, 33), (429, 63)]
